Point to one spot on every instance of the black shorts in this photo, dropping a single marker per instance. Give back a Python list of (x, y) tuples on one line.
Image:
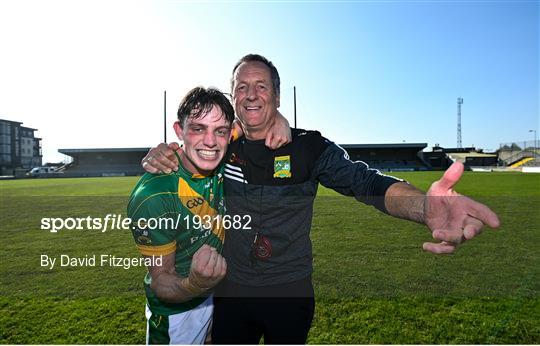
[(281, 313)]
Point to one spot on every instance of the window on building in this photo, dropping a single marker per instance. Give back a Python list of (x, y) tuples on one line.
[(5, 128), (5, 138), (5, 158)]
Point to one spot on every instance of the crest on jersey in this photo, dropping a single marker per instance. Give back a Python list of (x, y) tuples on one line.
[(282, 166), (143, 240)]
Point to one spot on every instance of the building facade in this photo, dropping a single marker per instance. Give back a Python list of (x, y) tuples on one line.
[(19, 148)]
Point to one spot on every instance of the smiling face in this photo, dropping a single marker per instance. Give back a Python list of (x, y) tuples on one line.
[(254, 99), (205, 140)]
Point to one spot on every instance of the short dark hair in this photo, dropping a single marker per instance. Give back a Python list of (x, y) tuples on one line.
[(199, 101), (256, 57)]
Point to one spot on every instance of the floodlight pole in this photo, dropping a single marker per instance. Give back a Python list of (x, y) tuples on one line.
[(459, 103), (165, 116), (294, 106)]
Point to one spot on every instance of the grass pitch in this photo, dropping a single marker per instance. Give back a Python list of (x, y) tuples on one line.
[(373, 282)]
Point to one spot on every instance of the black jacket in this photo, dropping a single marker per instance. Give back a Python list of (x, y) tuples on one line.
[(275, 191)]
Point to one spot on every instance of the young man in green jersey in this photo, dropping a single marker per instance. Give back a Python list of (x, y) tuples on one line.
[(168, 214), (178, 217)]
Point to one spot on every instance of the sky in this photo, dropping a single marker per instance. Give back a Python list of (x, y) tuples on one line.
[(91, 74)]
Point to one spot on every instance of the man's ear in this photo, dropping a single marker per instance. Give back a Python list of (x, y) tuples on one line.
[(277, 101), (178, 130)]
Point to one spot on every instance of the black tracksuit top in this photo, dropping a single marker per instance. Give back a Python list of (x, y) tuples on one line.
[(275, 190)]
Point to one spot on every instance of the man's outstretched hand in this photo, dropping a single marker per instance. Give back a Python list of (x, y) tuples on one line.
[(161, 158), (451, 217)]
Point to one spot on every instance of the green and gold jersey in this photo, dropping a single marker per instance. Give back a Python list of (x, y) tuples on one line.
[(176, 213)]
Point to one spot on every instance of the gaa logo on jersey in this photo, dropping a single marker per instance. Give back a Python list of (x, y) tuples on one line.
[(195, 202)]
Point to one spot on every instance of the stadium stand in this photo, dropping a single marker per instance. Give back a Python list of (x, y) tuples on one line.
[(385, 157), (520, 156), (390, 157), (516, 156), (522, 162), (442, 158), (535, 162), (127, 161), (104, 162)]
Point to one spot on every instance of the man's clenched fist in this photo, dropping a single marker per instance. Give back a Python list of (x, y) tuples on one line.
[(208, 267)]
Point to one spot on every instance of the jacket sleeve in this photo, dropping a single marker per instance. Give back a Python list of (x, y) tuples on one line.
[(334, 169)]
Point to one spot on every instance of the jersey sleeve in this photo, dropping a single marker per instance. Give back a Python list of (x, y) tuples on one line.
[(153, 219), (334, 169), (234, 134)]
